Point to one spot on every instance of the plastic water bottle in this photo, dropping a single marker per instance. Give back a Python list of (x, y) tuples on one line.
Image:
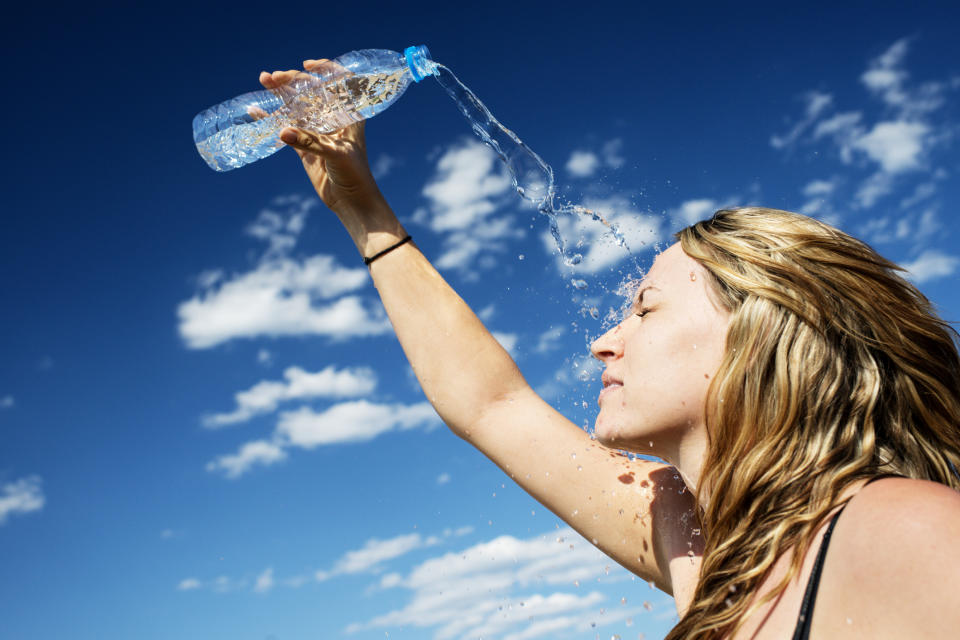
[(356, 86)]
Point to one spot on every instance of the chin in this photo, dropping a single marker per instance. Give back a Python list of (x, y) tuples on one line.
[(608, 434)]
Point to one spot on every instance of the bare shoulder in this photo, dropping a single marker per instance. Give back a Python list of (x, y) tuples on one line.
[(897, 561), (906, 507)]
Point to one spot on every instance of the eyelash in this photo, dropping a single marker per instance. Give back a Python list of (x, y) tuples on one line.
[(642, 313)]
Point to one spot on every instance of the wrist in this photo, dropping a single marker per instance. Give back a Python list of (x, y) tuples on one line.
[(373, 227)]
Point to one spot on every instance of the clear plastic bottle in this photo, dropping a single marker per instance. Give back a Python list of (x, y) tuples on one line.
[(356, 86)]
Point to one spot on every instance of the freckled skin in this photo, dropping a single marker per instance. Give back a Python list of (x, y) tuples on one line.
[(659, 362), (626, 478)]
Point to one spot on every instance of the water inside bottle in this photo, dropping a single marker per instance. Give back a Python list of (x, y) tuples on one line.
[(317, 103), (532, 177)]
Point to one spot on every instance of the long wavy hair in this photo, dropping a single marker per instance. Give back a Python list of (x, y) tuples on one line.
[(836, 369)]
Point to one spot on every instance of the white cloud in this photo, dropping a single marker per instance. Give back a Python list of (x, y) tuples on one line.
[(258, 452), (21, 496), (462, 248), (639, 230), (382, 166), (913, 227), (922, 192), (693, 211), (278, 298), (280, 229), (189, 584), (874, 188), (468, 181), (931, 264), (816, 103), (897, 146), (357, 421), (264, 581), (465, 198), (582, 164), (819, 188), (375, 552), (6, 402), (549, 340), (611, 153), (496, 589), (347, 422), (884, 79), (265, 396)]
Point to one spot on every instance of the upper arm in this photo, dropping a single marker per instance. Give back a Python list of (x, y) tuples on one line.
[(638, 512)]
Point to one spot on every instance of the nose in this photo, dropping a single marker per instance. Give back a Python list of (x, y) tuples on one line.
[(608, 346)]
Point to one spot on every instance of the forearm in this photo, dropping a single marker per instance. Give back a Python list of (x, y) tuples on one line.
[(461, 367)]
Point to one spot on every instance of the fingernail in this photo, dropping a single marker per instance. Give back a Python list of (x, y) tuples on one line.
[(289, 136)]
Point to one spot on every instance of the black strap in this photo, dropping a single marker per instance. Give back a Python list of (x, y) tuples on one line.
[(367, 261), (802, 631)]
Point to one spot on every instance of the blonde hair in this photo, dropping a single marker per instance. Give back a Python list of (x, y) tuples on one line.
[(836, 369)]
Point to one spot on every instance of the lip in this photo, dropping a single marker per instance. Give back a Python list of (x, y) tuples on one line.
[(608, 380), (610, 384)]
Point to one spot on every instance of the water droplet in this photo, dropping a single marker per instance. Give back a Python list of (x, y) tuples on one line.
[(849, 620), (647, 605), (573, 455), (629, 622), (594, 313), (623, 600), (693, 277), (652, 585), (651, 443), (577, 283), (521, 257), (574, 260), (576, 583), (579, 468)]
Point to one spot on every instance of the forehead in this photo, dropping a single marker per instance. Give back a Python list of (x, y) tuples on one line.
[(671, 267)]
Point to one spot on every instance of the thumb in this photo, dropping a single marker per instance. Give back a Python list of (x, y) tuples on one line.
[(305, 141)]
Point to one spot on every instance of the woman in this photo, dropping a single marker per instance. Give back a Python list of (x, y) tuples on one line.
[(777, 364)]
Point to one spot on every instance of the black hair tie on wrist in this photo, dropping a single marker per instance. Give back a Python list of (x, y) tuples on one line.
[(367, 261)]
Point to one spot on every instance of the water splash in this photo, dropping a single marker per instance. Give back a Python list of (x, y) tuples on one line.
[(531, 176)]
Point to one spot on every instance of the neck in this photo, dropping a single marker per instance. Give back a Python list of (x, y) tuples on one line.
[(687, 455)]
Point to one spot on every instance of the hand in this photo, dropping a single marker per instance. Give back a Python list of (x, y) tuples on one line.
[(336, 163)]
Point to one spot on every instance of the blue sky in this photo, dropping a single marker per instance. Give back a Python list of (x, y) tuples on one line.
[(207, 429)]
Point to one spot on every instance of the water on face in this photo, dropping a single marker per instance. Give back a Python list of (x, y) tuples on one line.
[(531, 176)]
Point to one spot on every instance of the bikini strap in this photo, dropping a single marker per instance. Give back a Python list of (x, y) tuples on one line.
[(802, 631)]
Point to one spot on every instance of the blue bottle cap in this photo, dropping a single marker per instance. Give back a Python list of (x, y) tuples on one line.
[(418, 59)]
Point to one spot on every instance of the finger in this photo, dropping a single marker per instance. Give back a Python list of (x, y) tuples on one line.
[(305, 141), (324, 67), (281, 78), (256, 112)]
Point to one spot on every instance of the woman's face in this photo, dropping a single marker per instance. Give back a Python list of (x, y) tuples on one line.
[(660, 360)]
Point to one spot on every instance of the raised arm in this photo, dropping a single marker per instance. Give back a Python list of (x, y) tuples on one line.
[(635, 511)]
